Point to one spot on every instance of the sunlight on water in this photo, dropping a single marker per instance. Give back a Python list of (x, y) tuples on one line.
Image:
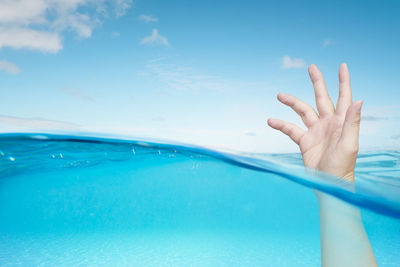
[(68, 200)]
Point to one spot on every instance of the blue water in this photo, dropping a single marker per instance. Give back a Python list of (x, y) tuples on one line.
[(86, 201)]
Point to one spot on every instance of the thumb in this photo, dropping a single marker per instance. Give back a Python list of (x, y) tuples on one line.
[(351, 128)]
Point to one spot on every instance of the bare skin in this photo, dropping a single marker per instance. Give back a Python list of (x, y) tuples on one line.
[(330, 144)]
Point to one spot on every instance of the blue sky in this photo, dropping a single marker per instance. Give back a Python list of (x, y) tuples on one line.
[(203, 72)]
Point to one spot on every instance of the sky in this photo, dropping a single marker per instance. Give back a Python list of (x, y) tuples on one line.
[(199, 72)]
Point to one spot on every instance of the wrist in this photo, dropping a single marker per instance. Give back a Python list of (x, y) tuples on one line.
[(347, 175)]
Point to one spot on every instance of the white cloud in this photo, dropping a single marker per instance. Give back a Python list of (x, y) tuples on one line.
[(396, 136), (373, 118), (155, 38), (159, 118), (9, 67), (39, 24), (186, 78), (23, 12), (25, 38), (121, 6), (11, 123), (327, 42), (148, 18), (79, 94), (115, 34), (293, 63)]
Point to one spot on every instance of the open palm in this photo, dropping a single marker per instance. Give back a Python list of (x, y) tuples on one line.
[(331, 142)]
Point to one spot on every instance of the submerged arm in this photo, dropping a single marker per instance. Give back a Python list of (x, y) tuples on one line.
[(344, 241)]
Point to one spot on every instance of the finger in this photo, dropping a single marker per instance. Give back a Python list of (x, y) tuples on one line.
[(351, 128), (324, 104), (291, 130), (344, 100), (306, 112)]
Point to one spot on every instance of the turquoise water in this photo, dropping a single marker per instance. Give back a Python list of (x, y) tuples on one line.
[(85, 201)]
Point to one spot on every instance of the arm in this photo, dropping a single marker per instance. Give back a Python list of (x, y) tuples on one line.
[(330, 144), (344, 241)]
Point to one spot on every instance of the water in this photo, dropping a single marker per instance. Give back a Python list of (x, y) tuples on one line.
[(84, 201)]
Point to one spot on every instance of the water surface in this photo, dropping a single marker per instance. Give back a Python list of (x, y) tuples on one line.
[(86, 201)]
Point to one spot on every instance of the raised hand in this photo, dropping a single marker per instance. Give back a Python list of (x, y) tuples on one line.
[(331, 142), (331, 145)]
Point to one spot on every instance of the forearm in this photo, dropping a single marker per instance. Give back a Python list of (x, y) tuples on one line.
[(344, 241)]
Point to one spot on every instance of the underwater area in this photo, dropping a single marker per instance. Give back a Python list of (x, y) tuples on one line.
[(89, 201)]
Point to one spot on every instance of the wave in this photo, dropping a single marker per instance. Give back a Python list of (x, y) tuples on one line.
[(377, 185)]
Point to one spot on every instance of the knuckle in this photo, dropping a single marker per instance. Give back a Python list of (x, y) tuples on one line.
[(352, 149), (303, 113), (337, 133), (356, 123), (290, 131)]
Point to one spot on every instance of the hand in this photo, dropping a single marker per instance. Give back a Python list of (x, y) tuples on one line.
[(331, 142)]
